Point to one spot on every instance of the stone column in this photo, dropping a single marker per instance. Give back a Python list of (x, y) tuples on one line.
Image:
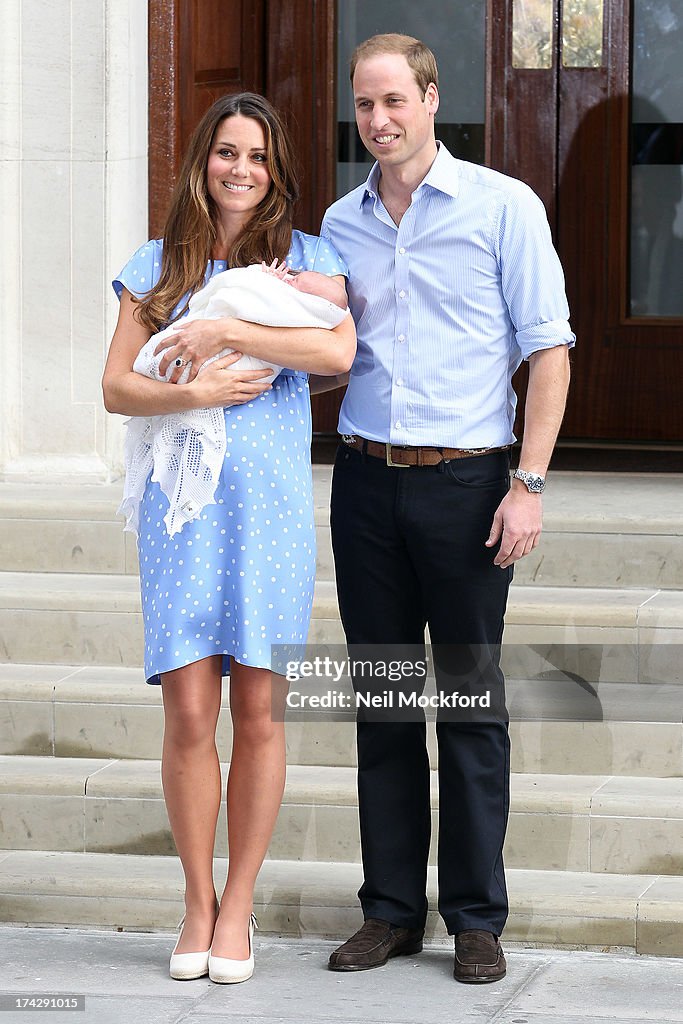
[(73, 205)]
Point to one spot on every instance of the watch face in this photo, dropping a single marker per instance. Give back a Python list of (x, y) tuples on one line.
[(533, 482)]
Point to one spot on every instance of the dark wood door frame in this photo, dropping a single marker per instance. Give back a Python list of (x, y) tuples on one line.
[(164, 154)]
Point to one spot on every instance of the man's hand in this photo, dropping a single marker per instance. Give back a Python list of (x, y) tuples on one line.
[(519, 517), (519, 520)]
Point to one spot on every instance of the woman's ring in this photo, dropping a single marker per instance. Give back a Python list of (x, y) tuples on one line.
[(181, 362)]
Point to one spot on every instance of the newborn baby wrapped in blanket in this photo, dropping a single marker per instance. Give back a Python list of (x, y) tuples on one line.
[(185, 450)]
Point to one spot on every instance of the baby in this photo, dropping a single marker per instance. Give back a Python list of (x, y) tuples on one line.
[(185, 450), (207, 304)]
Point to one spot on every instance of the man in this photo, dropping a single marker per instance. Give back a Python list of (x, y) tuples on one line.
[(453, 281)]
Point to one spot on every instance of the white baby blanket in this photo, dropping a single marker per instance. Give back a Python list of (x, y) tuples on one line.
[(185, 450)]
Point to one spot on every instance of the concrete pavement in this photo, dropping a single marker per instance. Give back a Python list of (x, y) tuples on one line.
[(123, 977)]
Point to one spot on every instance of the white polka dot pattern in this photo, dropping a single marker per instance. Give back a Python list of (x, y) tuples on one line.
[(240, 577)]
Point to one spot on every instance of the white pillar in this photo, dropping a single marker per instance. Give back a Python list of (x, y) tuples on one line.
[(73, 195)]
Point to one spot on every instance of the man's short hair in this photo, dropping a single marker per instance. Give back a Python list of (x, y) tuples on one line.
[(420, 58)]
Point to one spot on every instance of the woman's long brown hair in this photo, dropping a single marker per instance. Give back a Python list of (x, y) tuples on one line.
[(190, 231)]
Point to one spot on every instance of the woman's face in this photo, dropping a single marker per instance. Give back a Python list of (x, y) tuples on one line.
[(237, 169)]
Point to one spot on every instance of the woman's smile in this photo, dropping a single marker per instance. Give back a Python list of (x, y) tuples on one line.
[(237, 172)]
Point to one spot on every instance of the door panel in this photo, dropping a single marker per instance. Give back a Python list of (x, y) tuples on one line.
[(300, 83), (628, 368), (221, 51), (198, 50), (523, 100), (571, 141)]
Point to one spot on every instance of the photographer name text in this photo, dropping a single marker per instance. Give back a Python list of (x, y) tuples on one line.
[(339, 700)]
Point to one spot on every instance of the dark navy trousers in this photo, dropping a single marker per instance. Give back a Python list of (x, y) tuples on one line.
[(409, 552)]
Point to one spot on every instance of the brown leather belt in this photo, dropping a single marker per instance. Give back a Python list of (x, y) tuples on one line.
[(407, 455)]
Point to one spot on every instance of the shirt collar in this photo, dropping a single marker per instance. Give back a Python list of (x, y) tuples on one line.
[(442, 175)]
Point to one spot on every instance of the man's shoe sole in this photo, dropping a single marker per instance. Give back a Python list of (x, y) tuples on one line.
[(479, 981), (409, 951)]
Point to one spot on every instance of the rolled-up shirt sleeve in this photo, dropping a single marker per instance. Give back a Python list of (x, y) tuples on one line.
[(532, 279)]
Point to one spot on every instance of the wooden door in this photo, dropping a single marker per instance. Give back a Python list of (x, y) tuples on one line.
[(566, 126)]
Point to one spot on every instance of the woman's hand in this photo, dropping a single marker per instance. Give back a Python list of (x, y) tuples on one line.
[(194, 342), (218, 385)]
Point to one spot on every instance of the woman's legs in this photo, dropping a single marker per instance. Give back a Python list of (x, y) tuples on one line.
[(191, 778), (255, 785)]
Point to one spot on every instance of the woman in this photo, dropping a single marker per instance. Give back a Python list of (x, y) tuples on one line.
[(219, 593)]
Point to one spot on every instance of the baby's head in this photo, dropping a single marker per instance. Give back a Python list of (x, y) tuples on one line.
[(313, 283)]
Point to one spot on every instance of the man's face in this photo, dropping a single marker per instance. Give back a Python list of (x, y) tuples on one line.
[(395, 122)]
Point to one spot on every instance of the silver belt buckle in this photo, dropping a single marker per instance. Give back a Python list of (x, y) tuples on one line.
[(390, 462)]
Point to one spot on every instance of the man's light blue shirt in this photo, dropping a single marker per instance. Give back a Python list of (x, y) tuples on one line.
[(446, 304)]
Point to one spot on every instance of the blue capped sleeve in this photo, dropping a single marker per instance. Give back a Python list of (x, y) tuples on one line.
[(142, 270), (310, 252)]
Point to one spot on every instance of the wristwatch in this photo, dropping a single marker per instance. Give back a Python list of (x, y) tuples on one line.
[(532, 481)]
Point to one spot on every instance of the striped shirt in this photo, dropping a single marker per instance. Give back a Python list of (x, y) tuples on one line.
[(446, 304)]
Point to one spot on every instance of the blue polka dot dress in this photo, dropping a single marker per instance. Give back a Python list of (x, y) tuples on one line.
[(240, 578)]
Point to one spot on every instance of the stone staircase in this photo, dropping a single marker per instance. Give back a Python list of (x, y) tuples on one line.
[(594, 645)]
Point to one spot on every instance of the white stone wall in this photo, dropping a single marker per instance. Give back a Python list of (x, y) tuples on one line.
[(73, 206)]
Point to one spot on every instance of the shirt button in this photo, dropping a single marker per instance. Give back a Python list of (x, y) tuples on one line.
[(401, 250), (400, 381), (397, 424), (401, 337), (401, 294)]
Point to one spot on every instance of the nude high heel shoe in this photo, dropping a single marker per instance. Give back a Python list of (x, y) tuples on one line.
[(188, 966), (225, 971)]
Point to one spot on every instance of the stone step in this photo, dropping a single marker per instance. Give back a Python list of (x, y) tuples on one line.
[(593, 823), (109, 712), (308, 899), (613, 530), (596, 635), (96, 619)]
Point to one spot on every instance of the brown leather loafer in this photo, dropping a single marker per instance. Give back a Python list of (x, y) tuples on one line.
[(375, 943), (478, 957)]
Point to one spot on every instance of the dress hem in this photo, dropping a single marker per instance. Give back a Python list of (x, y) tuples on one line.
[(155, 678)]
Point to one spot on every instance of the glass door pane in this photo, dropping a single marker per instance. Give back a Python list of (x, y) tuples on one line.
[(582, 29), (657, 160), (456, 32), (532, 34)]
